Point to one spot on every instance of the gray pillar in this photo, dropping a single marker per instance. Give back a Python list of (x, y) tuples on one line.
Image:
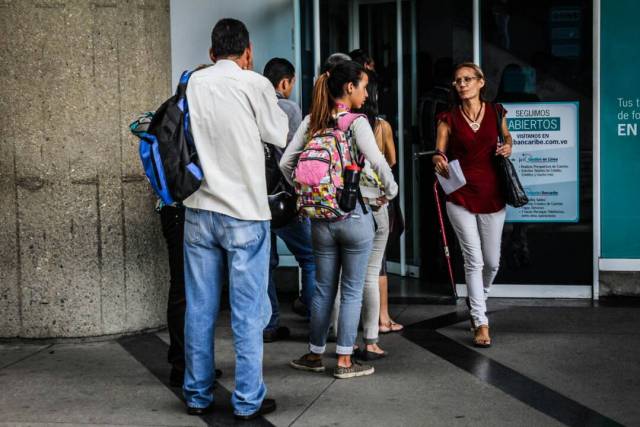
[(81, 250)]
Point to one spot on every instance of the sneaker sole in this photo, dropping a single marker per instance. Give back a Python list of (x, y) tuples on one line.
[(355, 374), (306, 368)]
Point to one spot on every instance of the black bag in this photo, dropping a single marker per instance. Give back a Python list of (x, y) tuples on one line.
[(512, 190), (396, 219), (282, 199), (167, 150), (283, 208)]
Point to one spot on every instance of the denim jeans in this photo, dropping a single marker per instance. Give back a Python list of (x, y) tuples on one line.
[(339, 246), (371, 290), (216, 245), (297, 236)]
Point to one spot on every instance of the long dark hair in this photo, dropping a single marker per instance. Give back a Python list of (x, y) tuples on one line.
[(477, 71), (370, 106), (328, 87)]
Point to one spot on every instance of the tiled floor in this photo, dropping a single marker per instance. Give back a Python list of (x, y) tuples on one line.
[(552, 363)]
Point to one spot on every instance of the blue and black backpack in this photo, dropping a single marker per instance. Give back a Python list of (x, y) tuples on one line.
[(167, 151)]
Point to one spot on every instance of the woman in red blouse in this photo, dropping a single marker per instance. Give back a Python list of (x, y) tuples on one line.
[(469, 133)]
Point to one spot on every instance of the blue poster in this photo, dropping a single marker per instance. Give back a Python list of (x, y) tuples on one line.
[(619, 130), (545, 154)]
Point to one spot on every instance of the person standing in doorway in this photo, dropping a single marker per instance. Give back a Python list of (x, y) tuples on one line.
[(232, 110), (342, 245), (296, 233), (469, 133)]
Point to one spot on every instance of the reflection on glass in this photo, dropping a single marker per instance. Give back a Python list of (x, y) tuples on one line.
[(542, 52)]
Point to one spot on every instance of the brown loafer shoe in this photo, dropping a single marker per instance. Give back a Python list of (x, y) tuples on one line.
[(306, 363)]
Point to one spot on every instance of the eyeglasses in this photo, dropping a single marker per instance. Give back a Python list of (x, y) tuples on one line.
[(466, 80)]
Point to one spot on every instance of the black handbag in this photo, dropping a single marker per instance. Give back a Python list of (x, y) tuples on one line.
[(512, 190)]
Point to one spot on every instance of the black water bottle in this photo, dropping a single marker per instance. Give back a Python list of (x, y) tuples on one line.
[(349, 196)]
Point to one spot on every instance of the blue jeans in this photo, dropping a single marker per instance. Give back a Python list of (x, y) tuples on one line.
[(297, 236), (341, 245), (216, 245)]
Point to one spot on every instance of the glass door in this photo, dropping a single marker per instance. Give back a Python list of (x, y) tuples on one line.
[(535, 52), (376, 27), (538, 56), (436, 35)]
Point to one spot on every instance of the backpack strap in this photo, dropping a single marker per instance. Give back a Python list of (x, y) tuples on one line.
[(183, 105), (346, 120), (181, 90), (344, 123)]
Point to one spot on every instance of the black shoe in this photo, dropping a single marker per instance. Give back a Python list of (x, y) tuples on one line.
[(268, 406), (176, 377), (368, 356), (200, 411), (300, 308), (279, 333)]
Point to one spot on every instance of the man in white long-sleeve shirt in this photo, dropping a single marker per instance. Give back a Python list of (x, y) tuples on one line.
[(232, 111)]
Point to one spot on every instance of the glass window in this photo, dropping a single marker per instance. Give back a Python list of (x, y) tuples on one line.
[(334, 27), (436, 35), (542, 52)]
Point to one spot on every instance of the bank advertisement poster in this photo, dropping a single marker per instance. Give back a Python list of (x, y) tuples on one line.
[(619, 130), (545, 154)]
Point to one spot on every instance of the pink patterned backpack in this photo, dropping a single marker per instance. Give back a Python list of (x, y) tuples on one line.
[(318, 175)]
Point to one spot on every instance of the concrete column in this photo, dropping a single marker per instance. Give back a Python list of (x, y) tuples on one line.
[(81, 249)]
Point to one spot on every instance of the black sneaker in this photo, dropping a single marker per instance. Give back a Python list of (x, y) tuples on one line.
[(268, 406), (305, 363), (355, 370), (279, 333)]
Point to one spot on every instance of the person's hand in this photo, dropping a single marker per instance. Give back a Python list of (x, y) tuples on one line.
[(504, 150), (441, 165), (382, 200)]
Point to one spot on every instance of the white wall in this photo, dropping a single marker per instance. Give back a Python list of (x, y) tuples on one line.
[(270, 24)]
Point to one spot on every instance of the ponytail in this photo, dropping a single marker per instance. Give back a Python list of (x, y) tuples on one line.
[(321, 105), (328, 88)]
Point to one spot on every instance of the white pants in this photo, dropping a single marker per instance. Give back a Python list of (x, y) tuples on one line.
[(479, 236)]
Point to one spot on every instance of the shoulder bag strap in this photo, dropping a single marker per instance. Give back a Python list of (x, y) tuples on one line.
[(499, 118)]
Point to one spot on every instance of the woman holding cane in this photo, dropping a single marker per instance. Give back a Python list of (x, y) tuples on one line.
[(469, 133)]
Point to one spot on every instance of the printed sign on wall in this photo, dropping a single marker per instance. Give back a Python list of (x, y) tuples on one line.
[(545, 154), (619, 130)]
